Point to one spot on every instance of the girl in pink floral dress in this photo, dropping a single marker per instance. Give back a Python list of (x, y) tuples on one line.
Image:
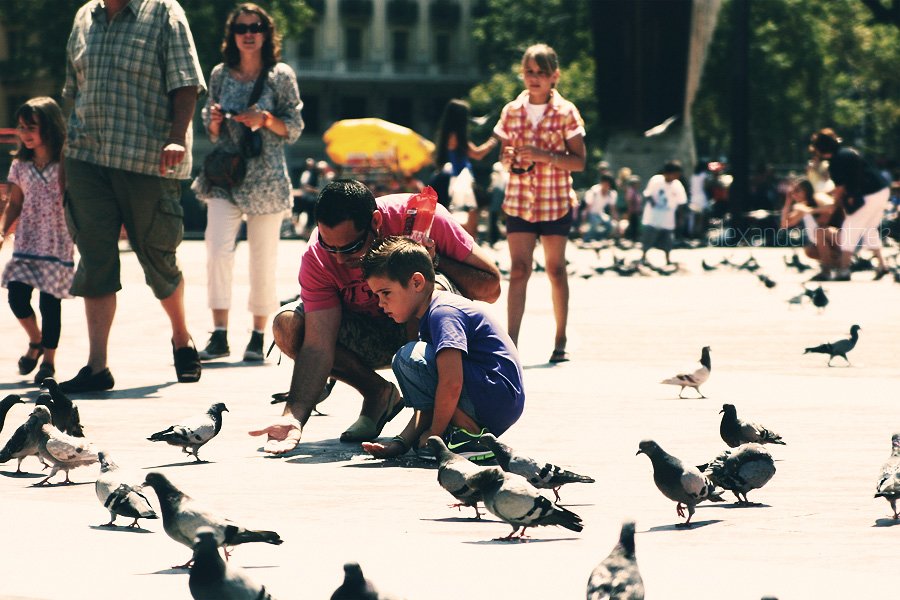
[(42, 254)]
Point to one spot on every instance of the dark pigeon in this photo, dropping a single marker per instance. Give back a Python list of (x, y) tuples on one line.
[(452, 472), (695, 379), (684, 484), (6, 404), (357, 587), (888, 486), (540, 475), (192, 433), (512, 499), (818, 297), (119, 496), (838, 348), (63, 411), (707, 267), (617, 576), (766, 280), (183, 516), (747, 467), (796, 263), (24, 441), (735, 431), (213, 579), (62, 451)]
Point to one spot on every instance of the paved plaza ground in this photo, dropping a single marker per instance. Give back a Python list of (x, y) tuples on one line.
[(818, 534)]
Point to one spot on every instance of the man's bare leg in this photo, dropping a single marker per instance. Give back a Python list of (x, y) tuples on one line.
[(174, 307), (100, 312)]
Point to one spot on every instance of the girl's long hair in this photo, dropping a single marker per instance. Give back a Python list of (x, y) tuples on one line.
[(271, 49), (455, 119), (44, 112)]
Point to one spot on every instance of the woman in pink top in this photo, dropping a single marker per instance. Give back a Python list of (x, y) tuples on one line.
[(543, 141)]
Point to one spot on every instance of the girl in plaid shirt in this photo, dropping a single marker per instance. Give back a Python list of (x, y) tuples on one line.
[(542, 137)]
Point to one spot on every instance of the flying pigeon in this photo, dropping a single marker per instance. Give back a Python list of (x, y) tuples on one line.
[(796, 263), (63, 411), (63, 452), (6, 404), (838, 348), (120, 497), (735, 431), (695, 379), (452, 472), (192, 433), (541, 476), (357, 587), (749, 467), (818, 297), (707, 267), (183, 516), (888, 486), (511, 499), (212, 579), (766, 280), (661, 128), (24, 439), (684, 484), (617, 576)]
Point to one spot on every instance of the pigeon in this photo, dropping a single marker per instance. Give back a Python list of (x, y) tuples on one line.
[(6, 404), (661, 128), (183, 516), (796, 263), (838, 348), (120, 497), (192, 433), (707, 267), (888, 486), (749, 265), (797, 300), (818, 297), (541, 476), (748, 467), (684, 484), (617, 576), (695, 379), (766, 280), (62, 410), (357, 587), (212, 579), (735, 431), (24, 439), (452, 472), (511, 499), (63, 452)]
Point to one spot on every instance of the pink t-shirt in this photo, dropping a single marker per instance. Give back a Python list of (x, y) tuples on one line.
[(325, 283)]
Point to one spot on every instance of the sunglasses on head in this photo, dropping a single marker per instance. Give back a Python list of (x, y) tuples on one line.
[(242, 28), (349, 248)]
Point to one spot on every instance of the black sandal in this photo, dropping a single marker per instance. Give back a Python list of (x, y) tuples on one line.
[(26, 363)]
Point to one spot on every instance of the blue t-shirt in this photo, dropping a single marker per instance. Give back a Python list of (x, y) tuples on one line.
[(491, 370)]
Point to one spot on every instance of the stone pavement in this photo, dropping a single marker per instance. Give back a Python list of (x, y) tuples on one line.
[(818, 534)]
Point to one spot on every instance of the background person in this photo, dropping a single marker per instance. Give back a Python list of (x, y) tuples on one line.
[(251, 49), (664, 194)]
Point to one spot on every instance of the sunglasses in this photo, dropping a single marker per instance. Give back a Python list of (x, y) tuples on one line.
[(242, 28), (520, 170), (349, 248)]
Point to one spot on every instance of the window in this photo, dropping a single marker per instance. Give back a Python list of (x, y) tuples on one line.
[(400, 111), (306, 46), (400, 47), (353, 43), (442, 48), (353, 107)]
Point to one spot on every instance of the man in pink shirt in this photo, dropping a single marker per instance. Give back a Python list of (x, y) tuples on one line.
[(338, 330)]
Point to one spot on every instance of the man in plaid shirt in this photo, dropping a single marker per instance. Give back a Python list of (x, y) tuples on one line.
[(133, 72)]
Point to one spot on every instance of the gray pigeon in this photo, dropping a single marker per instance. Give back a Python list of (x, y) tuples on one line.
[(357, 587), (889, 480), (192, 433), (514, 500), (211, 577), (735, 431), (183, 516), (120, 497), (542, 476), (617, 576), (684, 484), (24, 440), (63, 452), (838, 348), (6, 404), (452, 472), (748, 467), (63, 411), (695, 379)]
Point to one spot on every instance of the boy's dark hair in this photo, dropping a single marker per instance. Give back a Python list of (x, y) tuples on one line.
[(271, 48), (44, 112), (825, 141), (672, 166), (345, 200), (397, 258), (608, 178)]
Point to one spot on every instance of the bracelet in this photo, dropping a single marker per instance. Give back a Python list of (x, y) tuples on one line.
[(437, 260), (267, 119), (399, 439)]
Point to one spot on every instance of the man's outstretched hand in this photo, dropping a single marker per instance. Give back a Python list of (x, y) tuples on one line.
[(284, 435)]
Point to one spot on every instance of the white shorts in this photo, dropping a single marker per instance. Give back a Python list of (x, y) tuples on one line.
[(862, 229)]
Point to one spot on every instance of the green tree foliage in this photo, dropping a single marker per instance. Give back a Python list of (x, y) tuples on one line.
[(812, 65)]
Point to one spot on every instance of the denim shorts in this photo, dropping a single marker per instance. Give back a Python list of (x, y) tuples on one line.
[(560, 226), (415, 368)]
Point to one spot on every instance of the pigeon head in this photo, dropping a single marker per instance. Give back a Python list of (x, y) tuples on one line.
[(41, 413), (44, 399), (106, 462), (12, 399), (49, 383), (728, 409), (626, 537), (161, 485), (205, 537), (218, 408), (895, 440), (438, 446), (854, 329), (648, 447), (353, 573)]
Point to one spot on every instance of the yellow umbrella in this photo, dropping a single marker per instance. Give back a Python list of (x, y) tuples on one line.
[(352, 138)]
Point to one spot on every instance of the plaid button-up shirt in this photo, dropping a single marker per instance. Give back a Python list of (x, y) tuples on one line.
[(544, 193), (121, 75)]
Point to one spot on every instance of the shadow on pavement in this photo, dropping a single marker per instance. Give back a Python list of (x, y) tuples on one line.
[(146, 391), (522, 541), (678, 527), (123, 528), (886, 522)]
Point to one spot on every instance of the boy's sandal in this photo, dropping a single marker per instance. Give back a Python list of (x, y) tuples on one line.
[(559, 356), (26, 363), (364, 429)]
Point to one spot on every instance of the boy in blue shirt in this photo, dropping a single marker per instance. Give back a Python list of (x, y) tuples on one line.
[(463, 377)]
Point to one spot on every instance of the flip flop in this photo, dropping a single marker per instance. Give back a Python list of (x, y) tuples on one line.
[(364, 429), (559, 356)]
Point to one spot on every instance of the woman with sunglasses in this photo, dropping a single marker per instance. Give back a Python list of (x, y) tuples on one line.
[(542, 137), (251, 50)]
